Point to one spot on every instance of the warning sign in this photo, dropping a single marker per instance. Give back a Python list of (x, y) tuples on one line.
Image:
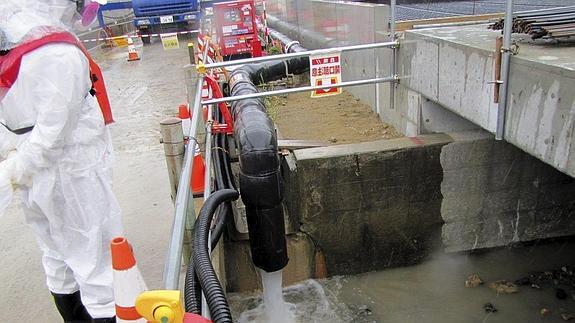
[(325, 70), (170, 41)]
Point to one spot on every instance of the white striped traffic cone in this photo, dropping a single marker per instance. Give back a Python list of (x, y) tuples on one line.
[(132, 52), (128, 282), (184, 114)]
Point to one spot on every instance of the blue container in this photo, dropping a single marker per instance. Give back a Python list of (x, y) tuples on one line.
[(150, 8), (162, 16)]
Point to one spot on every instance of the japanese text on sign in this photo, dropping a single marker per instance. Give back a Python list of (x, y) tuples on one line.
[(170, 41), (325, 70)]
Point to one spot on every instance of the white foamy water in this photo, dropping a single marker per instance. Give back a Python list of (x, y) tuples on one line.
[(302, 303), (273, 308), (276, 309)]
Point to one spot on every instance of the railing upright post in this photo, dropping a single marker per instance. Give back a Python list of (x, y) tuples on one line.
[(392, 85)]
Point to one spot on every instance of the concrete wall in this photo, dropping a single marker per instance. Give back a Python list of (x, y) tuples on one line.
[(390, 203), (372, 205), (495, 194), (541, 113), (454, 75), (415, 114), (454, 67)]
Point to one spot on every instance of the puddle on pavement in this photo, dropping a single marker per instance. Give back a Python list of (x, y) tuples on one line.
[(435, 291)]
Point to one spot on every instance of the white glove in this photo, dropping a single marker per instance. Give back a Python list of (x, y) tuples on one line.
[(6, 188), (12, 167)]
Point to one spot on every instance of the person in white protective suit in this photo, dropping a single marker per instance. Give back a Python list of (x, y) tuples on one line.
[(55, 148)]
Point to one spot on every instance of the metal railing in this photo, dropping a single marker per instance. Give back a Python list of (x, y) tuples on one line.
[(392, 78), (302, 89), (183, 196), (287, 56), (393, 56), (183, 210), (505, 61)]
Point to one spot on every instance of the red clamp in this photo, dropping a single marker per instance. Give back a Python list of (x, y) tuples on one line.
[(228, 126)]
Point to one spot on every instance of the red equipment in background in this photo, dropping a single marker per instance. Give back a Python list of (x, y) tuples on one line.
[(236, 29)]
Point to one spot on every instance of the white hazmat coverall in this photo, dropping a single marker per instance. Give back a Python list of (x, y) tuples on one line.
[(62, 167)]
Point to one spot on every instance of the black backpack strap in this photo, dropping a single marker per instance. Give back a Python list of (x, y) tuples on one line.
[(21, 131), (94, 79)]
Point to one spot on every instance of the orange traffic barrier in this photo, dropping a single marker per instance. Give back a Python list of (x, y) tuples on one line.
[(184, 114), (128, 282), (198, 173), (132, 52), (183, 111), (199, 170)]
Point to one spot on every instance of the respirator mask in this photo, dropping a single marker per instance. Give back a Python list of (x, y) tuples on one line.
[(88, 10)]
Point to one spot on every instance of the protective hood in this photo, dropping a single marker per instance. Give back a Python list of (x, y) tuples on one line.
[(22, 20)]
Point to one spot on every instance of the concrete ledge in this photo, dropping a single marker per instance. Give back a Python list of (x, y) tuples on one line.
[(371, 147), (372, 205)]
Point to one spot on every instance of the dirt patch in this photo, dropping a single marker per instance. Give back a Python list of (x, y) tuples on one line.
[(340, 119)]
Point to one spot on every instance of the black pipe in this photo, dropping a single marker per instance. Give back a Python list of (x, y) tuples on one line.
[(261, 183), (271, 71), (260, 180), (310, 38), (223, 180), (213, 291)]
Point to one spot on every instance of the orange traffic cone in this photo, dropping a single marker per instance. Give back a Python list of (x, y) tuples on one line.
[(198, 174), (132, 53), (184, 114), (128, 282)]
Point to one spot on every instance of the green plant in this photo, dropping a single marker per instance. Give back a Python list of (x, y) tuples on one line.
[(274, 50), (271, 102)]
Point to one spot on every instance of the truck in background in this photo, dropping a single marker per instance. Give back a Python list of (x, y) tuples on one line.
[(165, 16)]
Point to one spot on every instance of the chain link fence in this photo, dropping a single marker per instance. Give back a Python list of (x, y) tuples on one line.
[(427, 9)]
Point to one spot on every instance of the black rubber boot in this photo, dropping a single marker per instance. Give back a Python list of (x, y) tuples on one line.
[(71, 308), (105, 320)]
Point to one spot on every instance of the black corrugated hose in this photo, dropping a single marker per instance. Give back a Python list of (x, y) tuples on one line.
[(213, 291), (222, 174)]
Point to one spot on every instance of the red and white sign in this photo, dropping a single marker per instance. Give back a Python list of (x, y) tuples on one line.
[(325, 70)]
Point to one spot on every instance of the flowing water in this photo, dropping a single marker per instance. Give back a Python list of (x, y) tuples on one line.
[(272, 308), (434, 291)]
